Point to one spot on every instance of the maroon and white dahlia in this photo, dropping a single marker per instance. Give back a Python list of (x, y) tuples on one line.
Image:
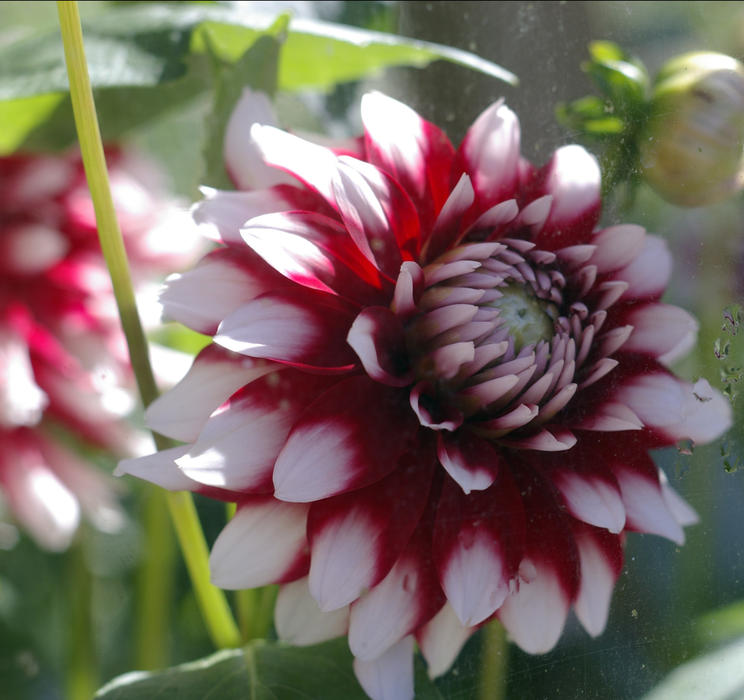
[(63, 362), (432, 387)]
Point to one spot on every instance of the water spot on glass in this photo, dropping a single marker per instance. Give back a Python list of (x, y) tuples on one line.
[(685, 447)]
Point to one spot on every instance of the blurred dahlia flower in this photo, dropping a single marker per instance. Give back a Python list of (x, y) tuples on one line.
[(432, 389), (63, 363)]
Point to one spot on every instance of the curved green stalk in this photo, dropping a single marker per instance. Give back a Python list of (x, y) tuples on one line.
[(214, 607), (494, 653), (154, 583), (81, 672)]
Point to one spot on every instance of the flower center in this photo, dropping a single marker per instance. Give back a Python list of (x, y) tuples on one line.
[(527, 318)]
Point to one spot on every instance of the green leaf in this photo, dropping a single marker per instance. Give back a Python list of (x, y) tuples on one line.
[(20, 117), (591, 117), (320, 54), (260, 671), (145, 59), (604, 51), (146, 45), (622, 83), (622, 79), (257, 68), (121, 52), (120, 111), (604, 127), (715, 676)]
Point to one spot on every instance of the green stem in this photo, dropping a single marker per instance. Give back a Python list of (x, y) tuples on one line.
[(264, 611), (214, 608), (212, 600), (246, 605), (81, 677), (494, 654), (154, 584)]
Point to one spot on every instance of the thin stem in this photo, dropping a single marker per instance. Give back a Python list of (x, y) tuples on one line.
[(246, 605), (494, 654), (217, 615), (154, 583), (264, 613), (81, 673)]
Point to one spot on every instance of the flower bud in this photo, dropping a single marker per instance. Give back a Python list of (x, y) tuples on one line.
[(691, 153)]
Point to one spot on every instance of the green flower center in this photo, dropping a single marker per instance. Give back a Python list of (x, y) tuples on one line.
[(528, 318)]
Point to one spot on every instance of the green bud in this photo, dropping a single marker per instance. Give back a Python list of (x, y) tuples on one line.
[(692, 151)]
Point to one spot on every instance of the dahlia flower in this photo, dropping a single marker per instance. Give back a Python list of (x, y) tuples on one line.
[(432, 386), (63, 362)]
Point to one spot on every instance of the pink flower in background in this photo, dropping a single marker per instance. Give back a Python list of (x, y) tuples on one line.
[(63, 363), (432, 389)]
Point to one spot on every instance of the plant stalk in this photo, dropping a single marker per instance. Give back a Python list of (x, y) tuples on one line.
[(215, 610)]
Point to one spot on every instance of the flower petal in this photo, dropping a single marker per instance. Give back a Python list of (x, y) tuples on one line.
[(408, 288), (663, 331), (38, 498), (553, 440), (159, 468), (313, 165), (406, 598), (335, 447), (414, 151), (610, 416), (448, 225), (299, 620), (601, 561), (431, 412), (240, 557), (315, 251), (572, 176), (215, 375), (648, 275), (378, 338), (239, 444), (303, 329), (477, 545), (617, 246), (243, 159), (232, 278), (389, 676), (535, 613), (645, 507), (592, 497), (441, 640), (378, 214), (683, 512), (471, 461), (355, 538), (493, 138), (676, 409), (22, 401), (221, 214)]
